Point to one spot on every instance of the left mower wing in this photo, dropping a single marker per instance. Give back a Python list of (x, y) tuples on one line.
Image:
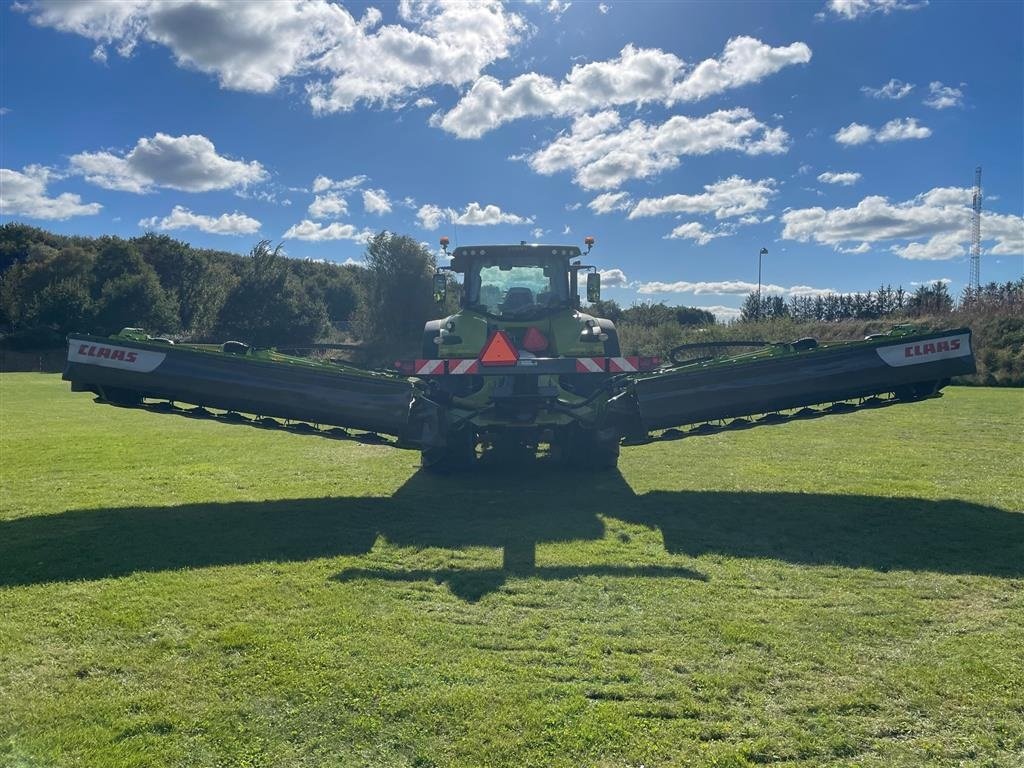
[(125, 371)]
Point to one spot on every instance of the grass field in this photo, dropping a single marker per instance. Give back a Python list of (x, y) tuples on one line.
[(846, 591)]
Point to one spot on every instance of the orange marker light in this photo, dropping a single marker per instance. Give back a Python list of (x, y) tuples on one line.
[(534, 341), (499, 350)]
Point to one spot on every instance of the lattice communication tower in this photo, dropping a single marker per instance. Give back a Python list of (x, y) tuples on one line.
[(975, 281)]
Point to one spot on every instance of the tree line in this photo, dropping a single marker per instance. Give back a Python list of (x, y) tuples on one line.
[(928, 300), (830, 307), (51, 285), (994, 313)]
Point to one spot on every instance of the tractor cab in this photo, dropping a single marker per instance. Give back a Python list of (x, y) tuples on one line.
[(521, 282), (516, 288)]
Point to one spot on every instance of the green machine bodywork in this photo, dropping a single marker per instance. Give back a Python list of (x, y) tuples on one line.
[(559, 316), (521, 365), (519, 290)]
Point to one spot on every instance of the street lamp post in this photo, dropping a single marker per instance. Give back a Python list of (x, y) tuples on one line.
[(764, 252)]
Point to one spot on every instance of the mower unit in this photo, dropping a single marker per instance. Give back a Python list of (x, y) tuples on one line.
[(518, 366)]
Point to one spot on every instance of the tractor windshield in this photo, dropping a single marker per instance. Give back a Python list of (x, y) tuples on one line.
[(510, 287)]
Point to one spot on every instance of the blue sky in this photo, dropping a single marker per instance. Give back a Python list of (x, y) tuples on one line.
[(841, 136)]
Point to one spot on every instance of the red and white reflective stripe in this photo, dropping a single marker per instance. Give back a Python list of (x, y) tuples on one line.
[(429, 367), (590, 364), (456, 367), (471, 367)]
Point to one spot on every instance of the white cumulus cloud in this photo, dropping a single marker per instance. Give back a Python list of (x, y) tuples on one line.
[(432, 216), (933, 225), (451, 44), (613, 278), (610, 201), (249, 46), (376, 201), (937, 248), (328, 206), (187, 163), (729, 288), (852, 9), (900, 129), (744, 60), (23, 193), (845, 178), (726, 198), (476, 215), (894, 89), (857, 249), (226, 224), (558, 7), (602, 154), (943, 96), (325, 183), (313, 230), (716, 288), (854, 133), (636, 76), (253, 45), (722, 313), (694, 230)]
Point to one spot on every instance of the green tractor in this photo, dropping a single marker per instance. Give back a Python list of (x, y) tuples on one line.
[(508, 364), (521, 365)]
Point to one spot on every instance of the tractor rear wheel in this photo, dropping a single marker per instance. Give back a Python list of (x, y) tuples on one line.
[(589, 449)]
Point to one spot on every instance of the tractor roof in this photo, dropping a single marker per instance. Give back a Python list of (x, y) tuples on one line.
[(466, 253)]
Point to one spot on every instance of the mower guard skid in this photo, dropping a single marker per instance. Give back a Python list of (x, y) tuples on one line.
[(321, 393), (779, 379)]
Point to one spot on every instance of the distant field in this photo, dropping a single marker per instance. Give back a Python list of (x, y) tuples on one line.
[(846, 591)]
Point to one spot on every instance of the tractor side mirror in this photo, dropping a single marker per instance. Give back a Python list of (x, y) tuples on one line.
[(593, 287), (440, 287)]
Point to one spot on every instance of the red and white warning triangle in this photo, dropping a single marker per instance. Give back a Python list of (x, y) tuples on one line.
[(499, 350)]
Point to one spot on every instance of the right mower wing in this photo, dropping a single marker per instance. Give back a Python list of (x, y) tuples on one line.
[(779, 377)]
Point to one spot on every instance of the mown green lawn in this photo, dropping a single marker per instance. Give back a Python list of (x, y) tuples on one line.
[(845, 591)]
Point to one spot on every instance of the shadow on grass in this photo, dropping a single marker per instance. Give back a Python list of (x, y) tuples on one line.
[(486, 509)]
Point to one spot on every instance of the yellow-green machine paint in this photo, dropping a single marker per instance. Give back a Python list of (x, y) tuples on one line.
[(521, 411), (558, 379), (470, 330)]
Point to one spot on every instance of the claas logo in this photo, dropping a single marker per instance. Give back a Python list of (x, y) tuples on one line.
[(917, 350), (91, 350)]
